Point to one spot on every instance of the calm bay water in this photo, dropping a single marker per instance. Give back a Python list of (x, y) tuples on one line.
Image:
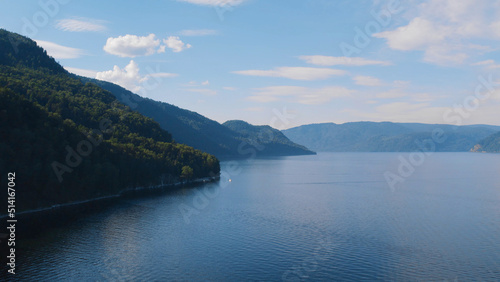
[(325, 217)]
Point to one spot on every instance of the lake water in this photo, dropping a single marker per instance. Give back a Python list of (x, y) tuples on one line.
[(327, 217)]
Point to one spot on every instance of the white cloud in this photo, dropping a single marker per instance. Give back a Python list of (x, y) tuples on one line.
[(346, 61), (228, 88), (215, 3), (302, 95), (80, 25), (495, 26), (205, 82), (484, 63), (82, 72), (447, 31), (490, 64), (367, 81), (129, 77), (161, 49), (423, 113), (417, 35), (297, 73), (132, 45), (198, 32), (440, 54), (60, 52), (400, 90), (174, 43)]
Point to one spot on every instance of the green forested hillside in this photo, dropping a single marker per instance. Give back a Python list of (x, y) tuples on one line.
[(196, 130), (186, 126), (51, 130)]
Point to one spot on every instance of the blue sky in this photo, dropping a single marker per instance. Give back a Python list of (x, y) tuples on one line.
[(311, 60)]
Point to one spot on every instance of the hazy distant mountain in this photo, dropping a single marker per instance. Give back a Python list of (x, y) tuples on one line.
[(386, 136), (490, 144), (267, 140), (202, 133)]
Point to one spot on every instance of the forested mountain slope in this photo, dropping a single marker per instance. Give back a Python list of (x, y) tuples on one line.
[(68, 141)]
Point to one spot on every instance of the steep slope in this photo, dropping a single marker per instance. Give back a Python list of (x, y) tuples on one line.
[(267, 140), (69, 141), (385, 136), (19, 51), (490, 144), (187, 127), (194, 129)]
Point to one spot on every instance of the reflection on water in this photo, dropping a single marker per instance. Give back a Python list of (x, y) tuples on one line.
[(324, 217)]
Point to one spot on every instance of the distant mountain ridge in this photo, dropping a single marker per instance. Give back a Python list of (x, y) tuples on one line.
[(386, 136), (265, 138), (202, 133)]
